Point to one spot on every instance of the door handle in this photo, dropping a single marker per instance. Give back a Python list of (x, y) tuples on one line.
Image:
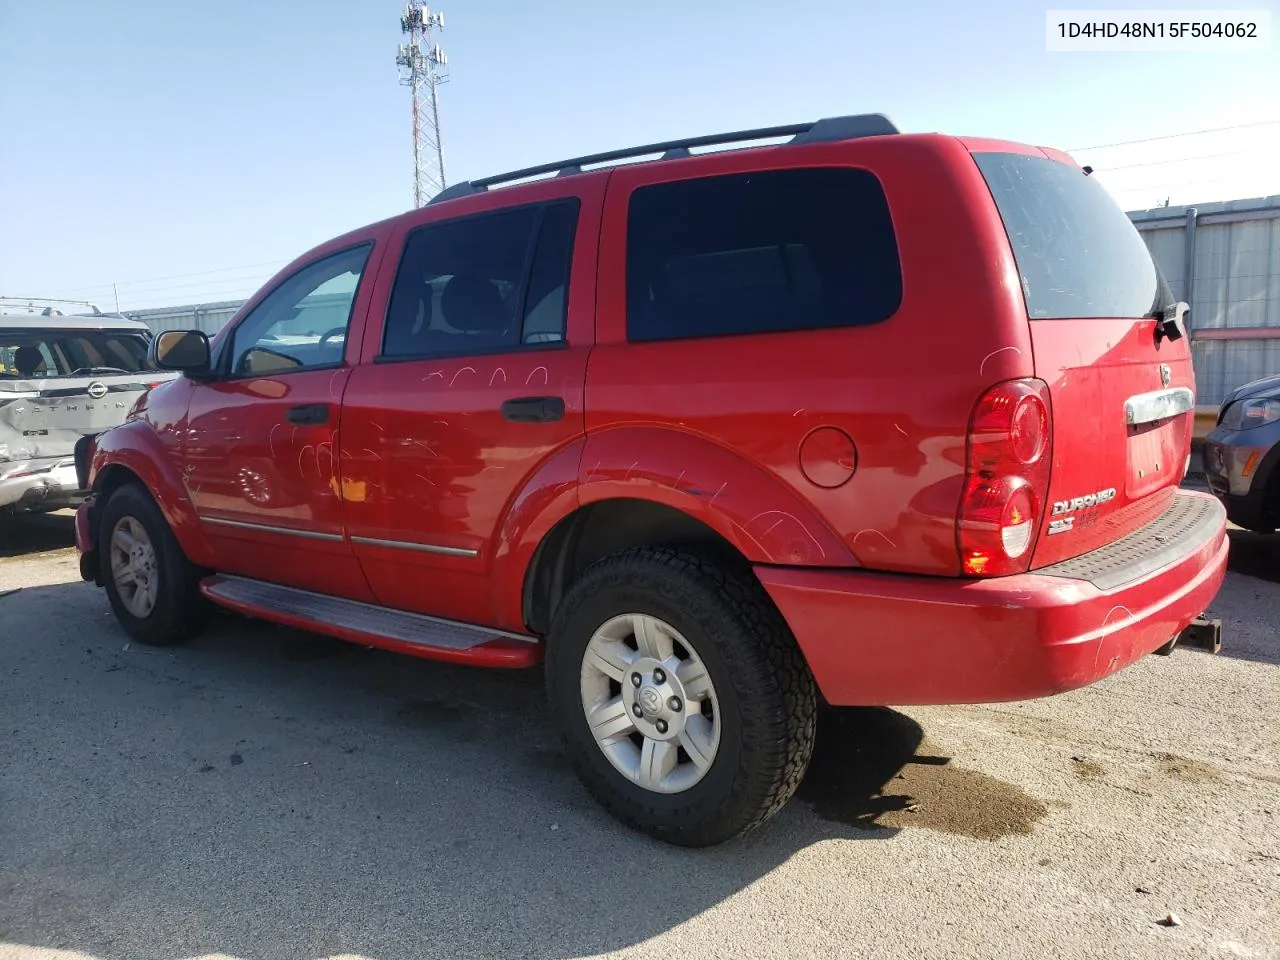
[(534, 409), (312, 414)]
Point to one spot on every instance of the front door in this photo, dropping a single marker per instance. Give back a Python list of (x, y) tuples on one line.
[(475, 385), (261, 459)]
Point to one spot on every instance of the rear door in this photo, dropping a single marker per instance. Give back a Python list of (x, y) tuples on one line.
[(1122, 393), (474, 383)]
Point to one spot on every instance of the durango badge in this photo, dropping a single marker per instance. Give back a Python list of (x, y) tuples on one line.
[(1063, 520)]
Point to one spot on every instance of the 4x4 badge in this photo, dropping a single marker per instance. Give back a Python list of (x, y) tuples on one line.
[(1165, 375)]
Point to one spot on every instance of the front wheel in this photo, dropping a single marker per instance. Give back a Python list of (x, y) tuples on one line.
[(686, 707), (153, 587)]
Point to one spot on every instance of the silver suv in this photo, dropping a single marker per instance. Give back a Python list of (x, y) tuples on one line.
[(62, 378), (1242, 455)]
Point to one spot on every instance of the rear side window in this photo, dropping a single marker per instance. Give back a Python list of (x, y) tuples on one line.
[(1077, 252), (482, 284), (53, 352), (760, 252)]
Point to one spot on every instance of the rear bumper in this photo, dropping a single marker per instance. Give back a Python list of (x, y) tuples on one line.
[(39, 484), (882, 639)]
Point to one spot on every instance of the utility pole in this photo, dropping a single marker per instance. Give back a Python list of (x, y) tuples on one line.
[(423, 67)]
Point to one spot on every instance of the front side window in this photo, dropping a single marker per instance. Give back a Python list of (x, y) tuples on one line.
[(302, 324), (760, 252), (482, 284)]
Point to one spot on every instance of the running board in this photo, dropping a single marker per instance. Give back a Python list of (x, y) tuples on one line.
[(365, 623)]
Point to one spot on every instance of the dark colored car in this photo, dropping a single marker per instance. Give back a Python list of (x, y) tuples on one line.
[(1242, 455)]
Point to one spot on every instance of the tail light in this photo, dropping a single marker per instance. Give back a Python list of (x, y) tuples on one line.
[(1006, 478)]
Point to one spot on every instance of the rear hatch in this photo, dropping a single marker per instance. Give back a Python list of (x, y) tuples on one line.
[(1121, 389), (65, 380)]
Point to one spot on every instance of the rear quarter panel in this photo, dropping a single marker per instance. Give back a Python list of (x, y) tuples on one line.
[(903, 389)]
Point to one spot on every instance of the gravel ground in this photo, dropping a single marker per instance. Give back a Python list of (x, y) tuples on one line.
[(264, 793)]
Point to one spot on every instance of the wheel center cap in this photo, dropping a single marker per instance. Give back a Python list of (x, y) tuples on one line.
[(650, 701)]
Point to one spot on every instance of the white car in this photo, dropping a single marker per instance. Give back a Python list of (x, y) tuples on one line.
[(62, 378)]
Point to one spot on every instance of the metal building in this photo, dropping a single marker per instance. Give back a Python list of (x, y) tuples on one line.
[(1224, 260), (209, 317)]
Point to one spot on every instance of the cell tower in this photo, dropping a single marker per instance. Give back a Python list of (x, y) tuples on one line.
[(423, 67)]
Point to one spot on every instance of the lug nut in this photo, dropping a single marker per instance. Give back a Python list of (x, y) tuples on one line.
[(635, 680), (659, 676), (662, 726), (675, 704), (636, 710)]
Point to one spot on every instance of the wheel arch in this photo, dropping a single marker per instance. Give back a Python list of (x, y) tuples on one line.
[(604, 527), (112, 477), (654, 486), (123, 456)]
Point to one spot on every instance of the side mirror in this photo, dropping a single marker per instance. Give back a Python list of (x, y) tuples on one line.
[(185, 350)]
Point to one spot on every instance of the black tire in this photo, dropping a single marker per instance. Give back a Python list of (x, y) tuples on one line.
[(180, 609), (1271, 506), (767, 697)]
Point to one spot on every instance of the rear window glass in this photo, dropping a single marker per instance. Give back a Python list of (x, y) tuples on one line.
[(1077, 252), (760, 252), (27, 353)]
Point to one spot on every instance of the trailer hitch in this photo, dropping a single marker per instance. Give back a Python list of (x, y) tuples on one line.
[(1201, 633)]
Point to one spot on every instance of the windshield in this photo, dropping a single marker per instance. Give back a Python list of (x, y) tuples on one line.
[(1077, 252), (51, 352)]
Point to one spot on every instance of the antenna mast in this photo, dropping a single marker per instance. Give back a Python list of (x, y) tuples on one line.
[(423, 67)]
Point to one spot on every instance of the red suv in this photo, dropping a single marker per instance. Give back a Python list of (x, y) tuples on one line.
[(863, 416)]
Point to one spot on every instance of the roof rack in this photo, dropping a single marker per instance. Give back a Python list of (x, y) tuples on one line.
[(29, 303), (826, 130)]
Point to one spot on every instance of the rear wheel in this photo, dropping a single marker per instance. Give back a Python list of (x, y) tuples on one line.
[(152, 586), (686, 707)]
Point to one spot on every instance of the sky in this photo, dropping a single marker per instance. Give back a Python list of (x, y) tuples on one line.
[(183, 152)]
